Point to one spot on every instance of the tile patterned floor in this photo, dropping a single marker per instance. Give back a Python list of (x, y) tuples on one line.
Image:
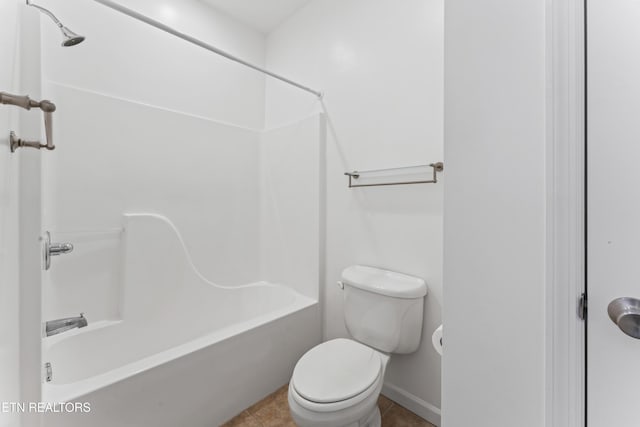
[(273, 411)]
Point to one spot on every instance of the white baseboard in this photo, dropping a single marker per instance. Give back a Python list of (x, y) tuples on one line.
[(413, 403)]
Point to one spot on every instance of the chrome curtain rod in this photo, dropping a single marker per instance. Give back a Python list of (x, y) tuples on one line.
[(159, 25)]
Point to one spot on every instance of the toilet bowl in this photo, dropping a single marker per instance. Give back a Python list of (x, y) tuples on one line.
[(337, 383)]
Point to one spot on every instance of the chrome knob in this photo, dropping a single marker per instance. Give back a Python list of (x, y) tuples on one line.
[(53, 249), (625, 312), (60, 248)]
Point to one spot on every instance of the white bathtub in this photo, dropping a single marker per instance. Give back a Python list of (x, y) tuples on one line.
[(186, 352)]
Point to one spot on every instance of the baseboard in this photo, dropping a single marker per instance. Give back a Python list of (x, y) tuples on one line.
[(413, 403)]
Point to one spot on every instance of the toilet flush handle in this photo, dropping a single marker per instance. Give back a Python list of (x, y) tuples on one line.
[(340, 284)]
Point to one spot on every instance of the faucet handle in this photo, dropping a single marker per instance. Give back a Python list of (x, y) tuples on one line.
[(60, 248), (53, 249)]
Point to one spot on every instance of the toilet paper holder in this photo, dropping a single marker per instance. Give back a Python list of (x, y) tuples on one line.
[(437, 340)]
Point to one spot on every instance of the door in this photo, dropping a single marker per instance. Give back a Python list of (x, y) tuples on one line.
[(613, 209)]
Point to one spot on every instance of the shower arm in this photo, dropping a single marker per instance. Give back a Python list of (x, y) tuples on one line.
[(27, 103), (46, 12)]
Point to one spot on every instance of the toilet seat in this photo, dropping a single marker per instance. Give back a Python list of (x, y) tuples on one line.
[(336, 374)]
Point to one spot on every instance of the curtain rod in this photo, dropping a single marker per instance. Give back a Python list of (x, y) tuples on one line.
[(140, 17)]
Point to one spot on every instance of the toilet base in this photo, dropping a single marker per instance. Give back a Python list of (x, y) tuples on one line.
[(372, 420), (368, 418), (377, 419)]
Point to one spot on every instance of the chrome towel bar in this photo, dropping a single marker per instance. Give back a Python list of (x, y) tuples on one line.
[(436, 167)]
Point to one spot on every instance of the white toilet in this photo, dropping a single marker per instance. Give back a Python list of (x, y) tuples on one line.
[(337, 383)]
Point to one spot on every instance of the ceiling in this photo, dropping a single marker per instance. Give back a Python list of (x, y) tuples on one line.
[(262, 15)]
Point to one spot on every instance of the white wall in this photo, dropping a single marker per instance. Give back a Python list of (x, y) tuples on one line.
[(380, 65), (9, 239), (494, 228), (19, 218)]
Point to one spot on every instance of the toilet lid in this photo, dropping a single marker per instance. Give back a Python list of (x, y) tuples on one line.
[(336, 370)]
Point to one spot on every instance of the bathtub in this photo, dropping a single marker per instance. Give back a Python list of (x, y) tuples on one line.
[(184, 352)]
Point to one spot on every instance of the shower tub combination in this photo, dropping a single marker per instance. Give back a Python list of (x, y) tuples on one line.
[(185, 351)]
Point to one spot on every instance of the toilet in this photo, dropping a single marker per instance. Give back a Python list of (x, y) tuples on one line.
[(337, 383)]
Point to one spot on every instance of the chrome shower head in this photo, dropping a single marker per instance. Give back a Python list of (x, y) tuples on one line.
[(69, 37)]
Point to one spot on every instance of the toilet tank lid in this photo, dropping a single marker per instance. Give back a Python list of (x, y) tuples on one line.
[(384, 282)]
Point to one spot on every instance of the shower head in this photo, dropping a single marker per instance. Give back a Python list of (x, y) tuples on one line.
[(69, 38)]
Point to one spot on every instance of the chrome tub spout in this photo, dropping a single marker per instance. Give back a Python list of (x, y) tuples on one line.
[(54, 327)]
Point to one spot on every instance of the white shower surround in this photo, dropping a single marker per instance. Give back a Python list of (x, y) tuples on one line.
[(177, 328), (246, 210), (153, 317)]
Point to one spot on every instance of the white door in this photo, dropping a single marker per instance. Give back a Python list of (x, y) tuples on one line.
[(613, 209)]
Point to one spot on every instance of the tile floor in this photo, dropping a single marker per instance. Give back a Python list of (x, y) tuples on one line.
[(273, 411)]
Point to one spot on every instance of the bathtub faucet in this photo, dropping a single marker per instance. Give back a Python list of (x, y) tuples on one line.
[(54, 327)]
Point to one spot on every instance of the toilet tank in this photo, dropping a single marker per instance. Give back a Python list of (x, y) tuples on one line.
[(383, 309)]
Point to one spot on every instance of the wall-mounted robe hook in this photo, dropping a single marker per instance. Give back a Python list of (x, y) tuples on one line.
[(27, 103)]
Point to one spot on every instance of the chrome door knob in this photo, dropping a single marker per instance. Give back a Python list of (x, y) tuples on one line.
[(625, 312)]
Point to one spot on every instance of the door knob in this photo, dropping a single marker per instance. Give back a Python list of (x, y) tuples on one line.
[(53, 249), (625, 312)]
